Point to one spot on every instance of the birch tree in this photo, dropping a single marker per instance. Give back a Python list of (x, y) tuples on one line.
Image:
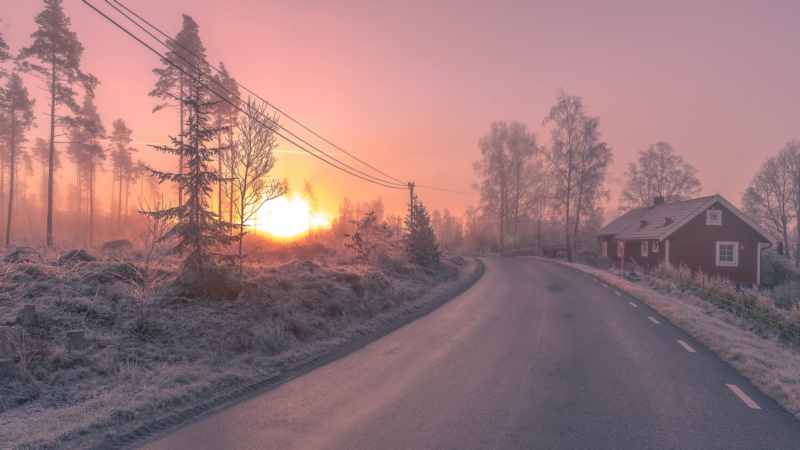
[(659, 172), (313, 204), (507, 158), (59, 54), (578, 161), (768, 199), (789, 159), (249, 165)]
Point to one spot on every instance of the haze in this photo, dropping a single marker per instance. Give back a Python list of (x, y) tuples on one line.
[(411, 86)]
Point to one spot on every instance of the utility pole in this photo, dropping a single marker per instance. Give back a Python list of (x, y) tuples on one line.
[(411, 208)]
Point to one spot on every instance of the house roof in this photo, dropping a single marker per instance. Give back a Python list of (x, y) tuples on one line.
[(651, 223)]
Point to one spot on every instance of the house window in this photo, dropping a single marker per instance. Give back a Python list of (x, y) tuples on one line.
[(728, 254), (620, 248), (713, 217), (605, 248), (655, 246), (644, 248)]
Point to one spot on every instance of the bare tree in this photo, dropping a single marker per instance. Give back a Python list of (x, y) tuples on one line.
[(578, 160), (789, 159), (313, 204), (60, 52), (768, 199), (16, 108), (659, 172), (249, 165), (508, 156)]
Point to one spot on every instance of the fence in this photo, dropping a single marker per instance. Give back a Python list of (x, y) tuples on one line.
[(752, 304)]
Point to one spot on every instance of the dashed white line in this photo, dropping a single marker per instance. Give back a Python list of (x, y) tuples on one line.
[(652, 319), (686, 346), (617, 293), (585, 275), (747, 400), (633, 304), (605, 285)]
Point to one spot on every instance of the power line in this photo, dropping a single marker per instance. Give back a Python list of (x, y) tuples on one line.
[(253, 93), (203, 61), (397, 184), (371, 178), (446, 190)]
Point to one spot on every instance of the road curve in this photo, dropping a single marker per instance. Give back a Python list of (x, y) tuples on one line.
[(534, 355)]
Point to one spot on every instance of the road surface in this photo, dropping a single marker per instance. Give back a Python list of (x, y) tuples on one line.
[(535, 355)]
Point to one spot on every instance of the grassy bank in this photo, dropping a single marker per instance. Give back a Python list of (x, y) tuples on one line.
[(150, 352)]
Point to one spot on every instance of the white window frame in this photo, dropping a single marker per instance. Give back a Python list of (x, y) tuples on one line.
[(709, 217), (735, 262), (604, 248), (620, 248), (644, 248), (654, 249)]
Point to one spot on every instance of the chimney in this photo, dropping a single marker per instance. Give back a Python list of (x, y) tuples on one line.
[(667, 220), (642, 224), (659, 200)]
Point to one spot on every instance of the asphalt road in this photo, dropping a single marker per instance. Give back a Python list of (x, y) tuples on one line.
[(535, 355)]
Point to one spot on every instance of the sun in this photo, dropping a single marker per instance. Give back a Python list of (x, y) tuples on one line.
[(286, 218)]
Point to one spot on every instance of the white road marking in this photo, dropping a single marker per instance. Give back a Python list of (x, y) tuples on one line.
[(633, 304), (605, 285), (585, 275), (747, 400), (686, 346), (617, 293), (654, 320)]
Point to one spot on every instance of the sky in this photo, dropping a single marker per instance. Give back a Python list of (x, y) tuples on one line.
[(410, 87)]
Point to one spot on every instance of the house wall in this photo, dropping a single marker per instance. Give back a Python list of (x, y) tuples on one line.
[(694, 245), (633, 249)]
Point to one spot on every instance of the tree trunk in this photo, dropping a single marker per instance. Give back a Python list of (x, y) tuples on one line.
[(52, 154), (12, 169)]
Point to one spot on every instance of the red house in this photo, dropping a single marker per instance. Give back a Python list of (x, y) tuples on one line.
[(707, 234)]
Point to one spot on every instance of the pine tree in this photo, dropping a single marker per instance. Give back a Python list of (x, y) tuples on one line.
[(419, 239), (198, 229), (185, 57), (123, 163), (60, 52), (4, 55), (17, 110), (226, 113)]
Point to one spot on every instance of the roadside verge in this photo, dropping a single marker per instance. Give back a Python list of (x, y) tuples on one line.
[(380, 326)]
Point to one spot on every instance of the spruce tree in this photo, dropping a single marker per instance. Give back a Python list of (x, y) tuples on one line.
[(59, 51), (419, 239), (197, 228)]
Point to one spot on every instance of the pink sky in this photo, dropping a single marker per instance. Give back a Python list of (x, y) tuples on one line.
[(411, 86)]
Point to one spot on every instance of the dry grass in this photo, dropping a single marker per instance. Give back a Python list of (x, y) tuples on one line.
[(151, 351), (756, 352)]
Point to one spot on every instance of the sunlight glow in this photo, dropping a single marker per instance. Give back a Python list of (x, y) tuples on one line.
[(285, 218)]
